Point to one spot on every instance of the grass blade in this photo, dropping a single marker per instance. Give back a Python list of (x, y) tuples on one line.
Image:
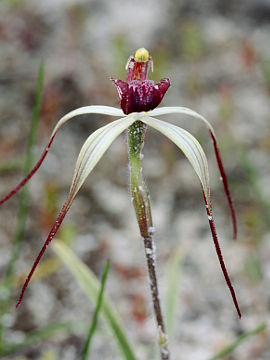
[(89, 283), (10, 166), (173, 290), (23, 201), (93, 325), (238, 341), (38, 336)]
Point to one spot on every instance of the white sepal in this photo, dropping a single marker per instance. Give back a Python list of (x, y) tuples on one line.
[(93, 109), (190, 147), (180, 110), (94, 148)]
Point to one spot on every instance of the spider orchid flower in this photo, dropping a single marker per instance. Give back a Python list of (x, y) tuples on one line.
[(139, 98)]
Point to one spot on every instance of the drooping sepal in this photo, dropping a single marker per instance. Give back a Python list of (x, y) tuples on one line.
[(195, 154), (90, 154), (189, 112), (93, 109)]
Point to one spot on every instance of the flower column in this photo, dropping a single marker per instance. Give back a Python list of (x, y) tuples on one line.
[(141, 203)]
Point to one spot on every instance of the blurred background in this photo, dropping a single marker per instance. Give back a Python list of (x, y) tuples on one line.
[(217, 56)]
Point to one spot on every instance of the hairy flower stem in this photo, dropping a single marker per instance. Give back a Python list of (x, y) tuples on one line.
[(141, 203)]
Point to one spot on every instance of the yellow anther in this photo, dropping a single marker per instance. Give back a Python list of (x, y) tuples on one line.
[(142, 55)]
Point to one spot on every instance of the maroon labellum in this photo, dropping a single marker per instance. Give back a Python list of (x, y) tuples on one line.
[(137, 95)]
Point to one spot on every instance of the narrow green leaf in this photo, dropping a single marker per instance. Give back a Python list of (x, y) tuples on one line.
[(11, 166), (238, 341), (23, 201), (89, 283), (38, 336), (173, 290), (93, 325)]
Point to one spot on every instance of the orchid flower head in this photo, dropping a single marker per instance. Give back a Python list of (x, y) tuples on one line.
[(139, 98), (138, 93)]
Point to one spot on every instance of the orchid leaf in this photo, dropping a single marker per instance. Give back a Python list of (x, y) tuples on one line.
[(189, 112), (91, 152), (91, 286), (94, 109)]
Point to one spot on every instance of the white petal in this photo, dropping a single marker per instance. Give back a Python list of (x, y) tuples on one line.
[(180, 110), (94, 148), (190, 147), (93, 109)]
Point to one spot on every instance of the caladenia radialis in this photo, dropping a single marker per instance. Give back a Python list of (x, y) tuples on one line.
[(139, 98)]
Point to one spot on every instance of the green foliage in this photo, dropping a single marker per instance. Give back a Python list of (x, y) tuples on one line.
[(93, 325), (238, 341), (38, 336), (173, 290), (253, 268), (191, 41), (120, 50), (90, 285), (23, 201), (265, 66), (11, 166), (161, 63)]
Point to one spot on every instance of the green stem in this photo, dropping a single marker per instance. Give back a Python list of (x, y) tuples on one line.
[(142, 206)]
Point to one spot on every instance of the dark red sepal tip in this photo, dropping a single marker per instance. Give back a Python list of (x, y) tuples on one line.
[(50, 237), (220, 257), (225, 184), (29, 176)]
